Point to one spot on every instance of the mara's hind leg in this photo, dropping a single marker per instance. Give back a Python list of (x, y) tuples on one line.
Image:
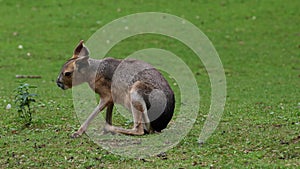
[(108, 118), (139, 113)]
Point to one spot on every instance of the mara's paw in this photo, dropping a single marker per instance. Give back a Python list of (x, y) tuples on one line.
[(108, 129), (75, 135)]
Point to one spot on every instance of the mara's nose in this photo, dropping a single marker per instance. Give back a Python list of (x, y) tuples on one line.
[(60, 84)]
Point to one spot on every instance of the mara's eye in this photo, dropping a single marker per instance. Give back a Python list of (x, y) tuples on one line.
[(68, 74)]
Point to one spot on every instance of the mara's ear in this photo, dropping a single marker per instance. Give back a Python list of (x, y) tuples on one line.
[(81, 50), (82, 62)]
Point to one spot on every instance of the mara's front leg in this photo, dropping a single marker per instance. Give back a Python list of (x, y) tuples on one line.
[(103, 103)]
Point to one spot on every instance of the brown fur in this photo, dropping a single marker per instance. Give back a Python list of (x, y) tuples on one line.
[(134, 84)]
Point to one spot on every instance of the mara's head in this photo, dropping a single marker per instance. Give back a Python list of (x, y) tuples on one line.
[(73, 72)]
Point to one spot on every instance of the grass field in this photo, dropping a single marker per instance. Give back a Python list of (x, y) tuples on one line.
[(258, 44)]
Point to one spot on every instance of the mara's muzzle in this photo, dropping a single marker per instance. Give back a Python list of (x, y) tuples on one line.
[(60, 84)]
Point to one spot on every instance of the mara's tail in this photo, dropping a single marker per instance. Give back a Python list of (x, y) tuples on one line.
[(163, 120)]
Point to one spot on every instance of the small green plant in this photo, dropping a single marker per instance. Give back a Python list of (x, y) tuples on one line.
[(23, 101)]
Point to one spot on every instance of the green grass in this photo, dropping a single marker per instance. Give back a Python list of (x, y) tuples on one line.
[(258, 43)]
